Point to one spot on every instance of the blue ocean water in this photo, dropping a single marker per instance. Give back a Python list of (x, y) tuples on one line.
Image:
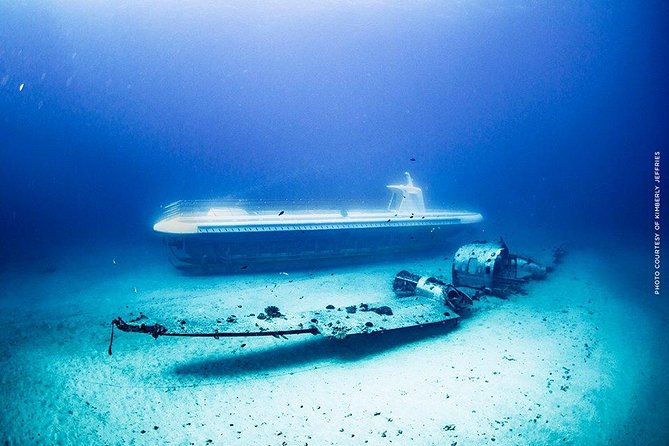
[(519, 109), (543, 116)]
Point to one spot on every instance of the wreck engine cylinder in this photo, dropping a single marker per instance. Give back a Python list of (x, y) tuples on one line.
[(408, 284), (405, 283), (431, 287)]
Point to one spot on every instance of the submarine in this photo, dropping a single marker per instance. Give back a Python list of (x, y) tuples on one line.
[(205, 236)]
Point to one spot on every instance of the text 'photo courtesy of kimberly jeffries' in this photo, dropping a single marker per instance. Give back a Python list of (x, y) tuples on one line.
[(657, 260)]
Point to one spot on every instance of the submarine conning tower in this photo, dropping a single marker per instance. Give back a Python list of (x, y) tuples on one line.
[(406, 198)]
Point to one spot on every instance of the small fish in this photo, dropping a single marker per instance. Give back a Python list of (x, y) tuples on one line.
[(283, 273), (245, 266), (412, 159), (114, 260), (21, 87), (281, 213)]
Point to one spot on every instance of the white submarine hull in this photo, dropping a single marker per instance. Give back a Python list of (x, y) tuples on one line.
[(209, 236)]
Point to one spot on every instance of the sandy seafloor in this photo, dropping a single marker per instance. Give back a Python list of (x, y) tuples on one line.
[(577, 360)]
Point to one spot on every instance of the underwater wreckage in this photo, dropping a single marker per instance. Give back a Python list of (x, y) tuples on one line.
[(483, 268), (212, 236)]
